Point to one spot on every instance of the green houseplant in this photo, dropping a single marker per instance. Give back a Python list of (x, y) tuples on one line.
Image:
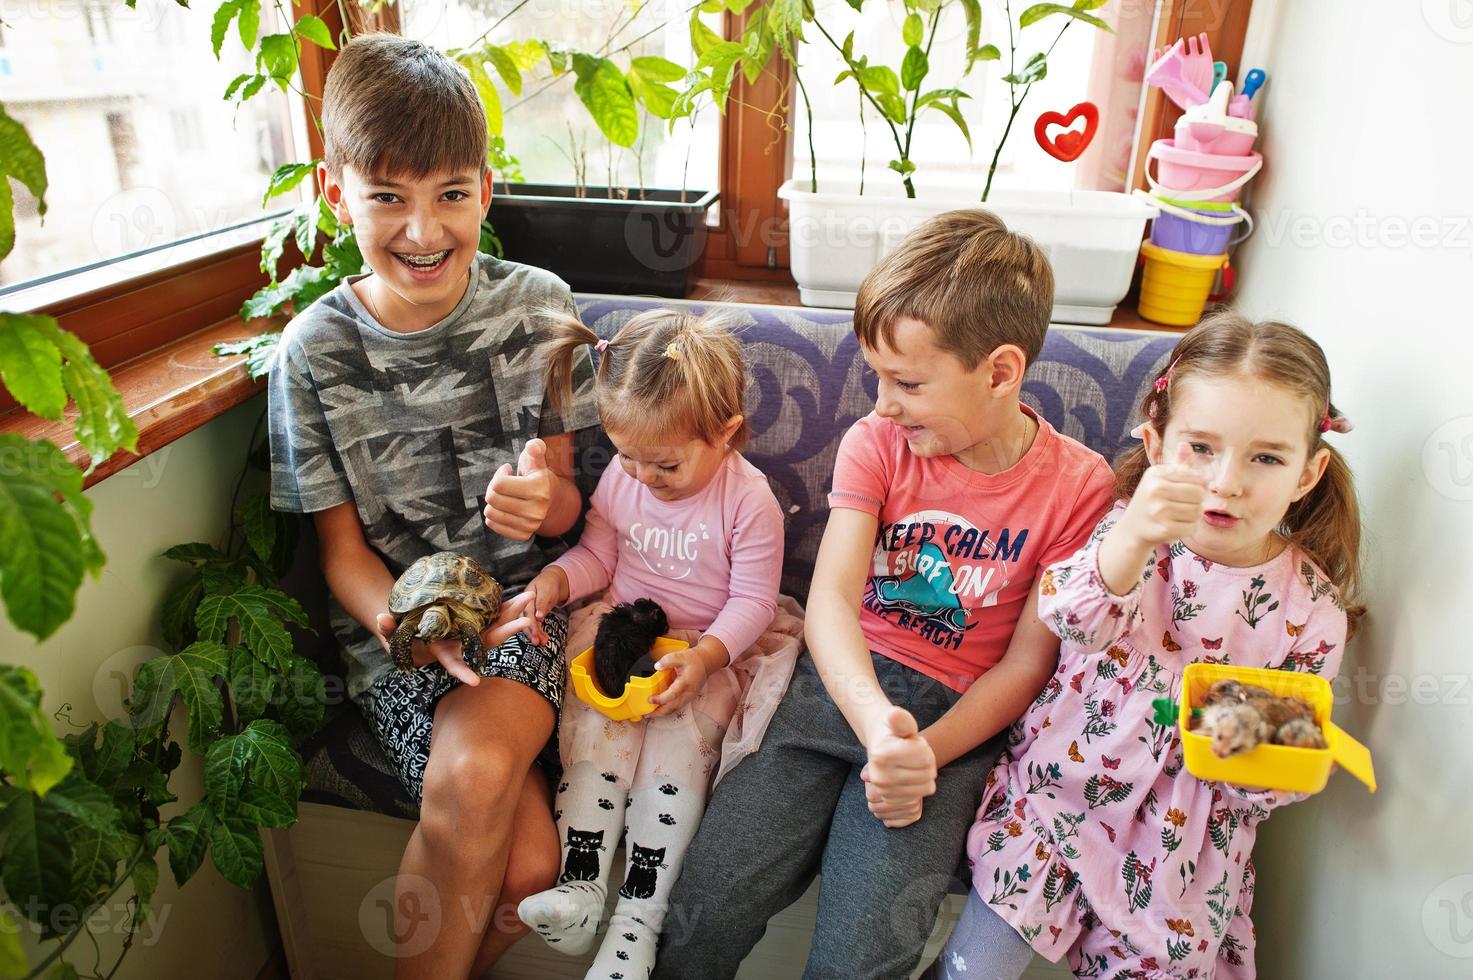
[(82, 816), (836, 235)]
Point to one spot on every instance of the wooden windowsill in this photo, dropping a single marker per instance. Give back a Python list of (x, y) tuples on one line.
[(168, 393), (179, 387)]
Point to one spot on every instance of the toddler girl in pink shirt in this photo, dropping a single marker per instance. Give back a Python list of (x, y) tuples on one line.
[(682, 518)]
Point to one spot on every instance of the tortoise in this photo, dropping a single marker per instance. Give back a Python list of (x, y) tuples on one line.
[(443, 595)]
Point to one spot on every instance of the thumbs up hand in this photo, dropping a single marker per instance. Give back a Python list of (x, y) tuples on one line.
[(901, 771), (517, 503), (1168, 502)]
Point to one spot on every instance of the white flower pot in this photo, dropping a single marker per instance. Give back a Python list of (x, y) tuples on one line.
[(1091, 238)]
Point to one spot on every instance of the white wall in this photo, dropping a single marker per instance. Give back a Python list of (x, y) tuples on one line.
[(179, 494), (1365, 240)]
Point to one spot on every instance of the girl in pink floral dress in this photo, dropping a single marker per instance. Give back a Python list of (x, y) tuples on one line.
[(1237, 543)]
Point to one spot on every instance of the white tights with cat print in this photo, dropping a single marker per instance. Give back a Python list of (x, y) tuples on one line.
[(648, 778)]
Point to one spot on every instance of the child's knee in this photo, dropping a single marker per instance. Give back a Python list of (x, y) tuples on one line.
[(472, 786)]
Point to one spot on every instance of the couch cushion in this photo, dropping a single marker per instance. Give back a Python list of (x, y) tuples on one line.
[(808, 386)]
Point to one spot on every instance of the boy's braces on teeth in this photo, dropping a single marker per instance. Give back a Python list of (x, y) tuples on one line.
[(423, 261)]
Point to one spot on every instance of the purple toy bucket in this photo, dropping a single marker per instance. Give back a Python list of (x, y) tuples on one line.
[(1197, 231)]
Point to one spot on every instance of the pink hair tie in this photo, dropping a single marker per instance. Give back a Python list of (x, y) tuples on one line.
[(601, 346), (1165, 379), (1338, 423)]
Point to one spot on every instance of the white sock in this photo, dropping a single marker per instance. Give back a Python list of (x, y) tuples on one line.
[(589, 810), (661, 823)]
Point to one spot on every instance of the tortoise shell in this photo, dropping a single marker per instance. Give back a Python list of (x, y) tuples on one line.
[(444, 576)]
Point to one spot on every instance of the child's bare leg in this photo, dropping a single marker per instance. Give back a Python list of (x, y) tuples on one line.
[(483, 743), (531, 867)]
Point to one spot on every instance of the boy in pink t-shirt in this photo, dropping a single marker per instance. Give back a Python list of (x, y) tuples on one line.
[(948, 501)]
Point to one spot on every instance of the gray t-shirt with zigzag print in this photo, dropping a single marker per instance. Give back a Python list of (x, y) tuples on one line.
[(411, 426)]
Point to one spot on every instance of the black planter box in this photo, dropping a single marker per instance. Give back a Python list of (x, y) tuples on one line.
[(605, 244)]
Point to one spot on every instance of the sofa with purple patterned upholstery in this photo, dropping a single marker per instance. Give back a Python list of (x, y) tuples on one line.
[(808, 385)]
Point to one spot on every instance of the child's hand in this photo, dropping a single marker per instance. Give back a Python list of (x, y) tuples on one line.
[(548, 591), (514, 617), (1168, 502), (901, 771), (516, 505), (690, 677)]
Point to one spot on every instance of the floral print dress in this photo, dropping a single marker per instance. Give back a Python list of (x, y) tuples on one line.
[(1093, 841)]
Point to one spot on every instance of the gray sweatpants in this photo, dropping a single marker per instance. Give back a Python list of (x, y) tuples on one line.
[(795, 808)]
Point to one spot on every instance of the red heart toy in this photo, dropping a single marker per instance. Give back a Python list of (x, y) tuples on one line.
[(1068, 145)]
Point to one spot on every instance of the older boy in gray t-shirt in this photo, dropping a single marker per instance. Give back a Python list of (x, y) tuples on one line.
[(412, 426)]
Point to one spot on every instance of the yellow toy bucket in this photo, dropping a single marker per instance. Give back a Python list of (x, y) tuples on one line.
[(1280, 767), (1175, 285), (634, 703)]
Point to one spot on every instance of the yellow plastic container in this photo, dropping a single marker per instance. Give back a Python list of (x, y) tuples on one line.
[(1175, 285), (1271, 766), (634, 703)]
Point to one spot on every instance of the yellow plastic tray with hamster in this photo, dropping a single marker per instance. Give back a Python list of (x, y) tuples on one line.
[(1279, 767), (634, 703)]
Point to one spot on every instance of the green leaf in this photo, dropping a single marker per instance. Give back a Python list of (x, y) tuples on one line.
[(261, 613), (606, 94), (902, 167), (505, 66), (988, 52), (235, 84), (223, 16), (973, 11), (20, 159), (191, 672), (236, 849), (315, 30), (145, 883), (913, 31), (260, 523), (1034, 71), (525, 54), (36, 862), (196, 551), (30, 363), (1039, 11), (187, 836), (41, 544), (12, 956), (225, 772), (252, 87), (275, 765), (278, 58), (702, 38), (87, 803), (177, 615), (251, 684), (265, 809), (301, 288), (102, 425), (287, 177), (62, 970), (31, 756), (879, 80), (490, 98), (259, 350), (950, 110), (302, 696), (341, 258), (913, 69), (646, 80), (249, 23)]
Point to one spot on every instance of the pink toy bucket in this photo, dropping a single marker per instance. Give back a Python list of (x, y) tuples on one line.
[(1190, 176)]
